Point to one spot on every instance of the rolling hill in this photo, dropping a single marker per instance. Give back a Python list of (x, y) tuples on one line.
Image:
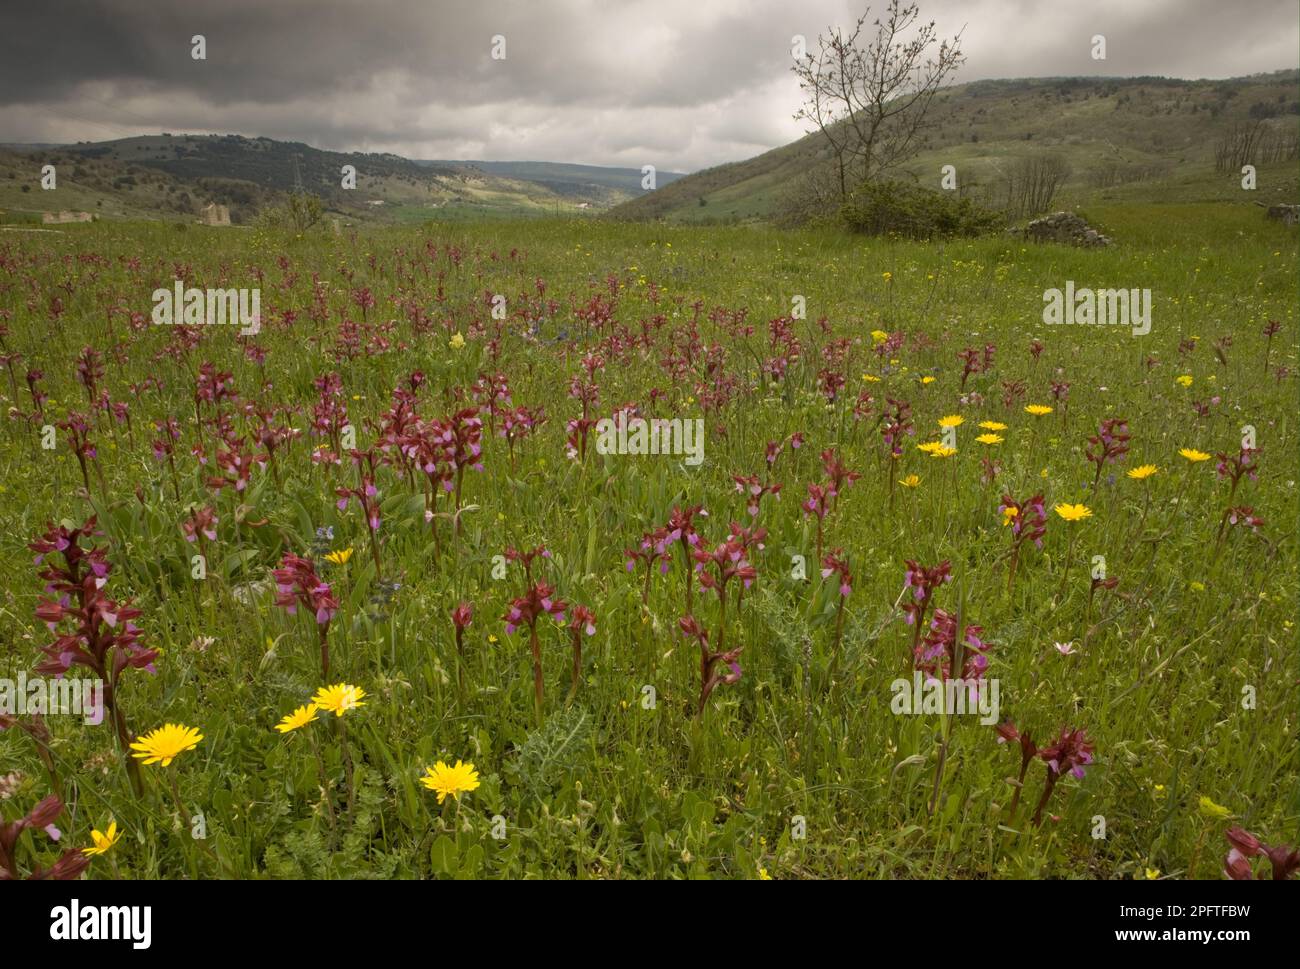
[(172, 176), (1146, 138), (580, 181)]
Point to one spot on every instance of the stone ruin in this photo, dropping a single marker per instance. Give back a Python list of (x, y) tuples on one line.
[(61, 218), (1065, 228), (1286, 214), (214, 214)]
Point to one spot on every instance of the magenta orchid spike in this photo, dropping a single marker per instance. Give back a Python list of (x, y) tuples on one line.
[(1070, 754), (70, 865), (526, 610), (91, 629), (711, 677), (582, 621), (653, 548), (297, 584), (1245, 846)]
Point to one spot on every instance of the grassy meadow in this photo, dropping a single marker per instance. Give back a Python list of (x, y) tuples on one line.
[(1182, 673)]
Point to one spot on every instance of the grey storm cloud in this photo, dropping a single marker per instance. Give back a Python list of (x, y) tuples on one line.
[(680, 83)]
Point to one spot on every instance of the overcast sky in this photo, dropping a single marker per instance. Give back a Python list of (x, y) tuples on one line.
[(681, 84)]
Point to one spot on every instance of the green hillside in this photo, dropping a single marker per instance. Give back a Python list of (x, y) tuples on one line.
[(580, 181), (172, 176), (1139, 139)]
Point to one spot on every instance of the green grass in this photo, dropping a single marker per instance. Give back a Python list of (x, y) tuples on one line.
[(608, 787)]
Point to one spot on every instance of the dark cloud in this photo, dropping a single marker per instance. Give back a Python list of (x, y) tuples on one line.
[(679, 83)]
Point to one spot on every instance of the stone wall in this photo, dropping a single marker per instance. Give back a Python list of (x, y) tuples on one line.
[(1062, 227), (1286, 214)]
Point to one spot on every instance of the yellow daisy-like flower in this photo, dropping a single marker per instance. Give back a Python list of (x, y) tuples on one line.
[(871, 378), (1038, 410), (1152, 874), (1142, 472), (943, 452), (1009, 515), (456, 342), (929, 447), (299, 718), (989, 439), (952, 420), (450, 780), (1073, 513), (1211, 810), (911, 481), (763, 876), (879, 336), (993, 425), (166, 743), (1185, 380), (103, 840), (339, 698), (340, 557), (1193, 455), (927, 379)]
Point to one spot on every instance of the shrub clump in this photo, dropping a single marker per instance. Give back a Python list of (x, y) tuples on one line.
[(897, 208)]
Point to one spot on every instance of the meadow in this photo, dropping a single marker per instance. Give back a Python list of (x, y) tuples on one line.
[(391, 456)]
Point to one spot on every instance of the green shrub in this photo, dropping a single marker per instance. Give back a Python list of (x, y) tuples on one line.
[(897, 208)]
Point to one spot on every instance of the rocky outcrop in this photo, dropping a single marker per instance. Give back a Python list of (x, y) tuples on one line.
[(1286, 214), (1065, 228), (62, 218)]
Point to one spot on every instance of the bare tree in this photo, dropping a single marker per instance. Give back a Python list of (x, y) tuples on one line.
[(868, 94), (1253, 143), (1280, 145), (1030, 184), (1237, 145)]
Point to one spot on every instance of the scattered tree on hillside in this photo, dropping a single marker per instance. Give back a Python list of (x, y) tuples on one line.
[(868, 92), (1029, 184), (1236, 146), (304, 210), (1253, 143)]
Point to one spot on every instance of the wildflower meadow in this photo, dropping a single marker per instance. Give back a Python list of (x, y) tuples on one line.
[(577, 549)]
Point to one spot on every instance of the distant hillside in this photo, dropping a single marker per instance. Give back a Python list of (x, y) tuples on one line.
[(173, 176), (580, 181), (1143, 138)]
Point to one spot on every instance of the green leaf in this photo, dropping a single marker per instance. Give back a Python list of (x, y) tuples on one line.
[(443, 856)]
